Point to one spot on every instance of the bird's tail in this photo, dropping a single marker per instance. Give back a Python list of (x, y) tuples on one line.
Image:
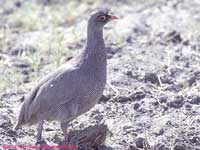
[(21, 118)]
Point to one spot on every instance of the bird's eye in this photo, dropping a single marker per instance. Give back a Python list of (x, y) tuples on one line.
[(102, 18)]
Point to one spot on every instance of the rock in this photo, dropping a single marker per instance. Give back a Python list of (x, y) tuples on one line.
[(129, 39), (56, 138), (174, 87), (136, 106), (195, 100), (178, 103), (129, 73), (195, 139), (132, 97), (49, 129), (140, 142), (192, 80), (26, 79), (140, 29), (124, 99), (161, 132), (179, 147), (163, 147), (167, 79), (188, 107), (138, 95), (111, 51), (151, 77), (104, 98), (174, 37), (195, 77), (132, 147), (163, 99), (25, 72)]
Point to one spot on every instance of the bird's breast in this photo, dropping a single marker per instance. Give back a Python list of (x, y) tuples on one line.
[(91, 88)]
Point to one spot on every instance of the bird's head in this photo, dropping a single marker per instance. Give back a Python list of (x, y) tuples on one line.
[(100, 17)]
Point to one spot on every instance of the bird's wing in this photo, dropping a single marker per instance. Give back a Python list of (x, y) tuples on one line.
[(23, 117), (52, 91)]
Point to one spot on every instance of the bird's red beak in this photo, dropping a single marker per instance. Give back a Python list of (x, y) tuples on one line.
[(113, 17)]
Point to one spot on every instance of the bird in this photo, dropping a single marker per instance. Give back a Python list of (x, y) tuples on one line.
[(75, 87)]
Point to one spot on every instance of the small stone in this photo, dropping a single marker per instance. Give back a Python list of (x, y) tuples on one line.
[(138, 95), (10, 110), (179, 147), (112, 51), (104, 98), (174, 37), (192, 80), (195, 140), (186, 43), (188, 106), (163, 147), (25, 72), (176, 103), (140, 29), (129, 74), (124, 99), (195, 100), (11, 133), (49, 129), (140, 142), (151, 77), (161, 132), (175, 88), (136, 106), (142, 110), (132, 147), (129, 39), (163, 99), (26, 79)]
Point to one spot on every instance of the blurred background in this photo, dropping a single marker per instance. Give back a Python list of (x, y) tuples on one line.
[(153, 62), (41, 35), (37, 33)]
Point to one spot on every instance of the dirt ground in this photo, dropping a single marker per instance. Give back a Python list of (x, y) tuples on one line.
[(153, 67)]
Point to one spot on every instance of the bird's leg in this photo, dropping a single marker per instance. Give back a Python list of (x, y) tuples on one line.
[(40, 141), (64, 127)]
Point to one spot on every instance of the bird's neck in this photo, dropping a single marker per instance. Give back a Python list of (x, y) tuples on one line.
[(95, 41), (93, 59)]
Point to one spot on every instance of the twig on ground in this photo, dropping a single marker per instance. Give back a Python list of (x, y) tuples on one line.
[(114, 89), (160, 81)]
